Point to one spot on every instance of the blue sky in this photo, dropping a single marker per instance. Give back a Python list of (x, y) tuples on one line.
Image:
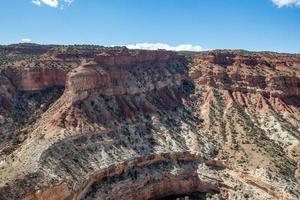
[(202, 24)]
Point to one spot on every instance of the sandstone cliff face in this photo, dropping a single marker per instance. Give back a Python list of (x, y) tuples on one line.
[(38, 79), (235, 72), (139, 73), (151, 124)]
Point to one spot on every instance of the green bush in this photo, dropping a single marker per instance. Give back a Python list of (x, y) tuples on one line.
[(187, 87)]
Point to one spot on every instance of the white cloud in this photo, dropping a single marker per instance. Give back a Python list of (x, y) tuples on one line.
[(52, 3), (69, 1), (155, 46), (282, 3), (26, 40), (37, 2)]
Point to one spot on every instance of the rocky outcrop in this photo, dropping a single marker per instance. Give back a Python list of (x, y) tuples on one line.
[(269, 75), (127, 73), (149, 177), (37, 79), (251, 59)]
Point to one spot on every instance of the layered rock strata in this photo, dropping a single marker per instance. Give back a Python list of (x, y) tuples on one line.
[(153, 124)]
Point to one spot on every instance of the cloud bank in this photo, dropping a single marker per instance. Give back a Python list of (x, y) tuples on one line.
[(25, 40), (155, 46), (282, 3), (52, 3)]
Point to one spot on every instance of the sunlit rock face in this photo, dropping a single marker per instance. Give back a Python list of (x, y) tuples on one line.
[(87, 122)]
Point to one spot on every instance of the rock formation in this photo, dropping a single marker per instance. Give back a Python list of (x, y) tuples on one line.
[(87, 122)]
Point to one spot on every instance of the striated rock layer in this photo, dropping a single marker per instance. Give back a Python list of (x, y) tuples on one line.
[(86, 122)]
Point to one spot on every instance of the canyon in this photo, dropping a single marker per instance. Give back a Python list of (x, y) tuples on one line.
[(93, 122)]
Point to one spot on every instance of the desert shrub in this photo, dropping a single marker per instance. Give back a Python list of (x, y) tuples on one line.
[(187, 87)]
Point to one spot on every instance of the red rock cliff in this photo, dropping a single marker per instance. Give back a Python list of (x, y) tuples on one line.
[(271, 74), (37, 79)]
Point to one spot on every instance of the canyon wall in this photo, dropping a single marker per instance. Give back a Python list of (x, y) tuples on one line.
[(268, 74), (133, 124), (37, 79)]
